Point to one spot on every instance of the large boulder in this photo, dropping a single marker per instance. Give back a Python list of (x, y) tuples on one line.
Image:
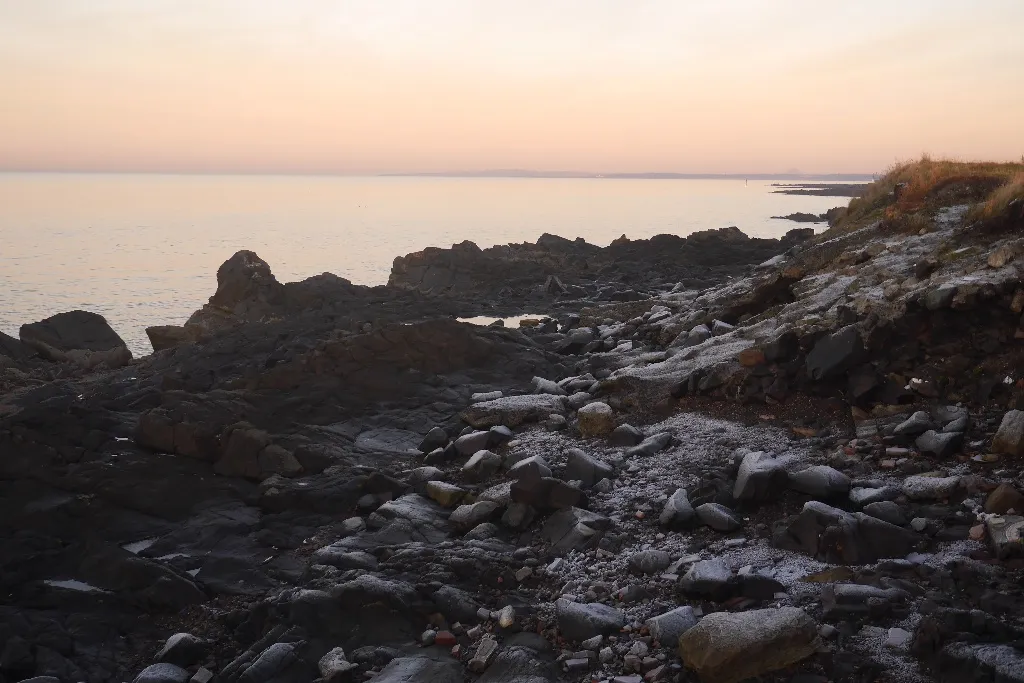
[(76, 336), (729, 647)]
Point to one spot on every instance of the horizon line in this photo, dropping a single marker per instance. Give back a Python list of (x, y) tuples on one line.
[(484, 173)]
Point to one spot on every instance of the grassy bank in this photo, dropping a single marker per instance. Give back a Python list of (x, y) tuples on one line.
[(909, 192)]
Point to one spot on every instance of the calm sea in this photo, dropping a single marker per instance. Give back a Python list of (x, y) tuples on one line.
[(144, 249)]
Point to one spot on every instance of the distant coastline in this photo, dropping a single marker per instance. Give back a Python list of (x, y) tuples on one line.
[(520, 173)]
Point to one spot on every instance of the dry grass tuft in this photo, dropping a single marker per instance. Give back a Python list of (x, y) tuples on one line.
[(927, 184), (997, 202)]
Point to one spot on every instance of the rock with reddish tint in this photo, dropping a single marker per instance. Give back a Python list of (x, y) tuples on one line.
[(445, 638)]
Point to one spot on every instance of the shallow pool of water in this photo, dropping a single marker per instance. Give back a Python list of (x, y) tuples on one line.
[(511, 321)]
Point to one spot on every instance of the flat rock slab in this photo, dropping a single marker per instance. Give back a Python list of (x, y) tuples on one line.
[(513, 411), (388, 440)]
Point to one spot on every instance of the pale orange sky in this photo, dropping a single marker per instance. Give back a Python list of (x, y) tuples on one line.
[(358, 86)]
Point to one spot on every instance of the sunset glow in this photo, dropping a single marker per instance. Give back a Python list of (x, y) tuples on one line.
[(597, 85)]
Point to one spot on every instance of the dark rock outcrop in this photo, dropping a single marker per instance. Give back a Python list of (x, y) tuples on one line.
[(76, 336)]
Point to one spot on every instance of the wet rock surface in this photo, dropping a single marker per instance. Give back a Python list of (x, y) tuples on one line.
[(684, 479)]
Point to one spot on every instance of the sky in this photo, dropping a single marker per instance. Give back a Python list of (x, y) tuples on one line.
[(370, 86)]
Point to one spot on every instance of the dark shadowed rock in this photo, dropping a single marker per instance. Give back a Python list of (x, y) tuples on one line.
[(836, 353), (76, 336)]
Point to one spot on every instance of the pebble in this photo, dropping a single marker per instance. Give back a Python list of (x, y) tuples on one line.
[(507, 616), (919, 524)]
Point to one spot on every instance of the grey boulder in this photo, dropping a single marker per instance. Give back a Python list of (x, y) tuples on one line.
[(580, 621)]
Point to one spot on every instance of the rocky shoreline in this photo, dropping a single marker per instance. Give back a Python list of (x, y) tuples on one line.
[(714, 459)]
